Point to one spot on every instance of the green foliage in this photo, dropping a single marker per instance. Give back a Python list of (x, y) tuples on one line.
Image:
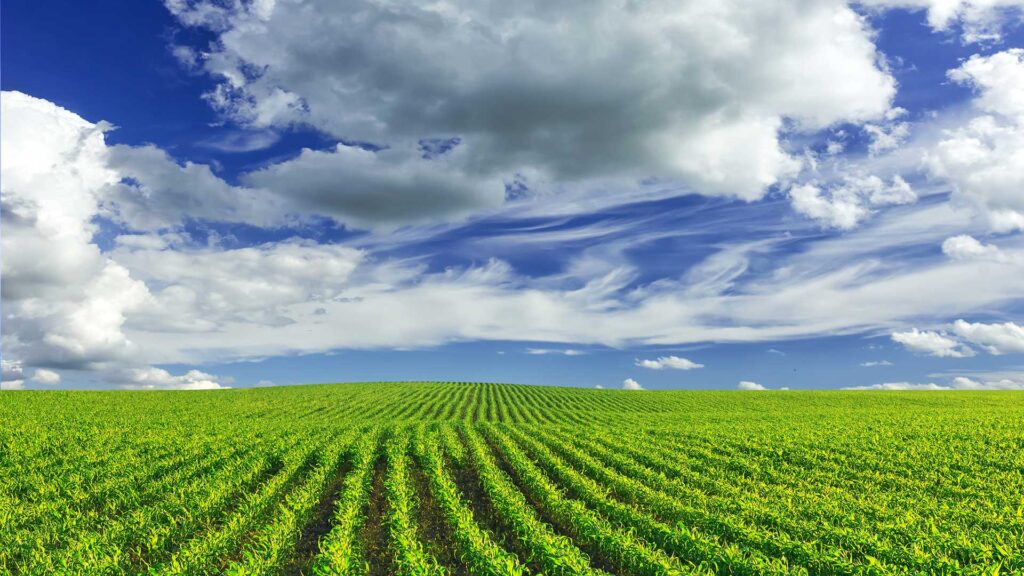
[(505, 480)]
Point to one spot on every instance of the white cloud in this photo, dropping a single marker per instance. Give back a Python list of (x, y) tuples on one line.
[(873, 363), (982, 159), (748, 385), (160, 379), (1006, 338), (241, 140), (899, 386), (839, 210), (932, 343), (998, 79), (846, 205), (154, 191), (979, 20), (965, 383), (265, 384), (203, 289), (65, 303), (559, 351), (886, 137), (528, 92), (599, 387), (834, 287), (673, 362), (958, 383), (630, 384), (966, 247), (157, 298), (44, 376)]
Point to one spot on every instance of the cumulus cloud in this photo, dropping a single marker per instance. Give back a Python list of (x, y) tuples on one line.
[(966, 247), (672, 362), (748, 385), (527, 92), (65, 303), (996, 339), (1005, 338), (979, 20), (44, 376), (932, 343), (847, 204), (982, 159), (887, 136), (839, 210), (159, 379), (630, 384)]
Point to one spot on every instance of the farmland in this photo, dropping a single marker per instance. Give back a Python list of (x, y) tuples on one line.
[(458, 478)]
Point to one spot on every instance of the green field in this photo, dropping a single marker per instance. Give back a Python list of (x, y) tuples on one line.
[(457, 478)]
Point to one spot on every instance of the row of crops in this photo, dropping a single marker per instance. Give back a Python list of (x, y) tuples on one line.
[(460, 478)]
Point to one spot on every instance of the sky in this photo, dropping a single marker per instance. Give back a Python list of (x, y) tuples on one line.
[(802, 194)]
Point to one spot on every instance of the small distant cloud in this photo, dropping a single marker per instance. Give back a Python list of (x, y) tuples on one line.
[(958, 383), (265, 384), (748, 385), (899, 386), (44, 376), (320, 312), (630, 384), (241, 141), (189, 58), (776, 351), (562, 351), (871, 363), (598, 386), (673, 362)]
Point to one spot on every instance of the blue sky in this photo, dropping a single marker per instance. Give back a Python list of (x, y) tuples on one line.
[(800, 195)]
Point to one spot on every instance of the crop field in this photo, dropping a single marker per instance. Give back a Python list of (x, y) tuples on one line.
[(459, 478)]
